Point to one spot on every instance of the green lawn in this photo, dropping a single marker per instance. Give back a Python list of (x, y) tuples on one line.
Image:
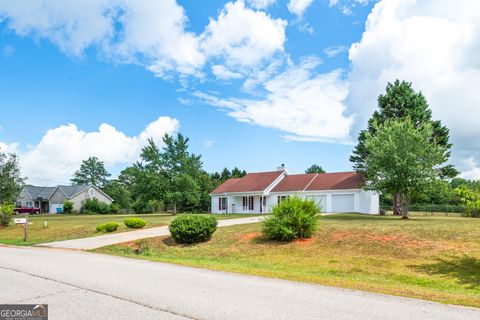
[(63, 227), (433, 258)]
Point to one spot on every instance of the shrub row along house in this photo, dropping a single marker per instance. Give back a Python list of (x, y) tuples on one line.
[(51, 199), (258, 192)]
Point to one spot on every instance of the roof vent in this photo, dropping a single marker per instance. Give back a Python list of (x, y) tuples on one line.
[(282, 167)]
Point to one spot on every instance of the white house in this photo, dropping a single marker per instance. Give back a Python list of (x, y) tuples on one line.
[(258, 192)]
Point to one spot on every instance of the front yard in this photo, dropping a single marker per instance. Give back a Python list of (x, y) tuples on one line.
[(433, 258), (65, 227)]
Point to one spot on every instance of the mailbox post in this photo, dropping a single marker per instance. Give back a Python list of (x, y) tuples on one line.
[(24, 223)]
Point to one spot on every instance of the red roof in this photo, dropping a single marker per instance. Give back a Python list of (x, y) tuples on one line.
[(251, 182), (295, 182), (337, 180)]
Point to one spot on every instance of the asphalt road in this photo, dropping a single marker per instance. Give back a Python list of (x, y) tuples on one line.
[(83, 285), (114, 238)]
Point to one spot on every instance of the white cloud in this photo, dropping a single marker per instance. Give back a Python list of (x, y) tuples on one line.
[(305, 105), (223, 73), (61, 150), (434, 44), (261, 4), (243, 37), (334, 51), (209, 143), (150, 33), (298, 7)]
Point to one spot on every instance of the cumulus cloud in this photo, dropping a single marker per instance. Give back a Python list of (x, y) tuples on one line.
[(261, 4), (435, 45), (243, 37), (61, 150), (304, 105), (298, 7), (149, 33)]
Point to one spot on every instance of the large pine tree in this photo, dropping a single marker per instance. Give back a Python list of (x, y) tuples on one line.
[(402, 102)]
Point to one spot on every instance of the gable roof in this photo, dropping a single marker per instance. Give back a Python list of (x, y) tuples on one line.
[(336, 181), (39, 192), (295, 182), (71, 191), (252, 182)]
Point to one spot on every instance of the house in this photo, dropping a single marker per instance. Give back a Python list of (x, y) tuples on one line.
[(51, 199), (258, 192)]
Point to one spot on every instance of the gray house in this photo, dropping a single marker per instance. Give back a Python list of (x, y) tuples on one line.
[(51, 199)]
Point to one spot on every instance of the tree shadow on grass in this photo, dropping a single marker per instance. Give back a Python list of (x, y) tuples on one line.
[(465, 269), (353, 216)]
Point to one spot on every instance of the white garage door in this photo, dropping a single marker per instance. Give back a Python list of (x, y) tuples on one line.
[(343, 203), (320, 200)]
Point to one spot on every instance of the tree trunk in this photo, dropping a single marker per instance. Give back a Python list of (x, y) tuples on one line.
[(400, 205), (174, 208), (396, 204)]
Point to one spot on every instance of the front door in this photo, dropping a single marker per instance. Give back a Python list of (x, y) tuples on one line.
[(263, 202)]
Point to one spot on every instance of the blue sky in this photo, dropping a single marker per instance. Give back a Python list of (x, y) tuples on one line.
[(253, 84)]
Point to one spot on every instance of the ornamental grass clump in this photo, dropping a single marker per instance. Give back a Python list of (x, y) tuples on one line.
[(291, 219)]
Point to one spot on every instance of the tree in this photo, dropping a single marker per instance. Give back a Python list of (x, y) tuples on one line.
[(119, 192), (402, 159), (402, 102), (10, 181), (92, 171), (182, 171), (314, 168)]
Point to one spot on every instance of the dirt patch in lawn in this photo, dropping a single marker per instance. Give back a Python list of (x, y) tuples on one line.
[(249, 236), (305, 241)]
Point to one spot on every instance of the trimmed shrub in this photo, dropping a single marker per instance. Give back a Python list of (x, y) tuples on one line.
[(108, 227), (6, 213), (191, 228), (68, 207), (292, 218), (134, 223)]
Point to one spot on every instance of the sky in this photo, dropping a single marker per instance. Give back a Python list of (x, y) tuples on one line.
[(253, 83)]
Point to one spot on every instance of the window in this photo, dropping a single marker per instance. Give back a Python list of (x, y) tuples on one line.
[(247, 203), (222, 204), (281, 198), (29, 204), (18, 204)]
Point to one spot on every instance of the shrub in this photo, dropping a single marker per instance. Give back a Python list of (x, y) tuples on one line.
[(292, 218), (190, 228), (134, 223), (108, 227), (96, 206), (146, 206), (6, 213), (68, 207)]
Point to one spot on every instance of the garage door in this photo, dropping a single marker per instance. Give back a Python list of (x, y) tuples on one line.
[(320, 200), (343, 203)]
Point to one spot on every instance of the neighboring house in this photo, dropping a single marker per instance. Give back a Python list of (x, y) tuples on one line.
[(258, 192), (51, 199)]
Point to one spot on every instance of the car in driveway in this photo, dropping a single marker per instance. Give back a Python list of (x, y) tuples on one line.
[(26, 210)]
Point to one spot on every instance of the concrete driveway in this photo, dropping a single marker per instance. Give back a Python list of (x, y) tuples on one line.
[(84, 285), (114, 238)]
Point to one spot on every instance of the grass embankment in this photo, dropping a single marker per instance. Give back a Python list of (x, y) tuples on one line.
[(433, 258), (64, 227)]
